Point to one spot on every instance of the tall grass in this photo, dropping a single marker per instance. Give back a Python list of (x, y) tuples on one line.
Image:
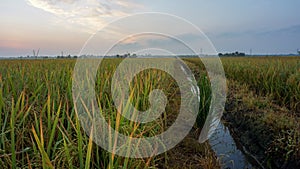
[(39, 127), (277, 77)]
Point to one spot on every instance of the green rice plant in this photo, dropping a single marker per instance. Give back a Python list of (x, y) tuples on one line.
[(89, 150), (46, 163), (12, 128), (39, 127), (277, 77)]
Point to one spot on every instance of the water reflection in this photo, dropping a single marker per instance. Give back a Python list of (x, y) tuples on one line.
[(226, 149)]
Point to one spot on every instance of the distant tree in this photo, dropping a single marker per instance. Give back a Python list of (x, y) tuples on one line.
[(234, 54), (298, 52), (242, 54), (126, 55)]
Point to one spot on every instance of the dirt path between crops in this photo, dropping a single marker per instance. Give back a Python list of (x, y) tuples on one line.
[(189, 153), (264, 129), (267, 131)]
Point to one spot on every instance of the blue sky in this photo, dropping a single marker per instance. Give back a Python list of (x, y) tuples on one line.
[(266, 27)]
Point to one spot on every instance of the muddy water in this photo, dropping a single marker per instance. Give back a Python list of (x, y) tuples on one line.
[(227, 150)]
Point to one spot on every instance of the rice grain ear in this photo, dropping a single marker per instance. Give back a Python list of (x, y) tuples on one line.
[(40, 143), (12, 133), (89, 150)]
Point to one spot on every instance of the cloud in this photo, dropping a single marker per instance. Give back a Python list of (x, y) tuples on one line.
[(262, 41), (291, 30), (286, 31), (89, 14), (180, 45)]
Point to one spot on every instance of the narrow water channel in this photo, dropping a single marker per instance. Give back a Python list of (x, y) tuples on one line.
[(227, 150)]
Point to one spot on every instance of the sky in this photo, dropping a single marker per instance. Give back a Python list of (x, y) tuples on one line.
[(53, 26)]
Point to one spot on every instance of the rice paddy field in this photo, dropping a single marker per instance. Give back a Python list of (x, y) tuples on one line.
[(39, 127)]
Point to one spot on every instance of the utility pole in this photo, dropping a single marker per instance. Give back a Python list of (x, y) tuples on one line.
[(36, 53)]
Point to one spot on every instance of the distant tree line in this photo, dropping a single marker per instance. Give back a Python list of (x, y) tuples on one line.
[(234, 54), (126, 55), (68, 56)]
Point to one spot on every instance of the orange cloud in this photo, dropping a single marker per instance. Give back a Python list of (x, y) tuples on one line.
[(90, 14)]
